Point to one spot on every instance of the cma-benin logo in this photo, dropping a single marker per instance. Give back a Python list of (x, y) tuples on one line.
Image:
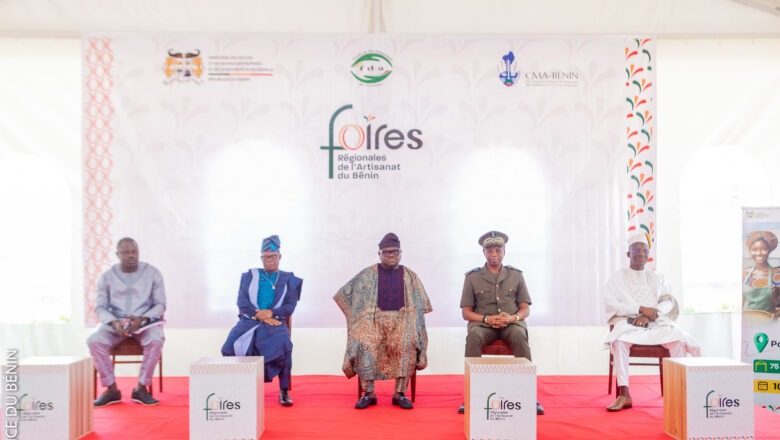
[(718, 401), (371, 68), (507, 70), (219, 404), (183, 66), (345, 134), (500, 404)]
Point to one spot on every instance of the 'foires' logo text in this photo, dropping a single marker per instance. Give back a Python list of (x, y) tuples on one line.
[(218, 408), (500, 409), (364, 144), (717, 406), (31, 409)]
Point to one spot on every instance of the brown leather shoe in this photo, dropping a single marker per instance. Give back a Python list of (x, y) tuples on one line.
[(622, 402)]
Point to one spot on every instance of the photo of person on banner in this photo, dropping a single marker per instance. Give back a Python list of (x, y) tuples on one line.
[(761, 281)]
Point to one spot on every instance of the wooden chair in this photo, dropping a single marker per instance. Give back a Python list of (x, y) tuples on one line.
[(498, 348), (657, 352), (131, 347), (288, 321)]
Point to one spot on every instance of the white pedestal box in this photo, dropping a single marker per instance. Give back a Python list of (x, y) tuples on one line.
[(226, 398), (708, 398), (500, 398), (54, 397)]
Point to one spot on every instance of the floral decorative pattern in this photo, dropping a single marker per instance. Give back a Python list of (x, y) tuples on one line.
[(640, 139), (98, 137)]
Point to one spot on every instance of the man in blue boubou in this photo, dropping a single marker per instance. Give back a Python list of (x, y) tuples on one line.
[(266, 299)]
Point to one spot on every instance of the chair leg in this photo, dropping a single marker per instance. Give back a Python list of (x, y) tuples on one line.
[(94, 381), (159, 380), (609, 379), (360, 388), (414, 385), (661, 374)]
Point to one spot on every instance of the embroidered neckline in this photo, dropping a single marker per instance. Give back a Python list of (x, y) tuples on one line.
[(270, 281)]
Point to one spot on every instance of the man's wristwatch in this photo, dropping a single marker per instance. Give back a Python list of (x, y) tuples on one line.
[(484, 319), (144, 321)]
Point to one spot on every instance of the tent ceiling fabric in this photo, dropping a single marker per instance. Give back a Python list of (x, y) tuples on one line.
[(772, 6), (664, 18)]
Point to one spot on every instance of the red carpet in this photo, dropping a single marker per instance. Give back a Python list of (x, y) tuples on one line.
[(324, 410)]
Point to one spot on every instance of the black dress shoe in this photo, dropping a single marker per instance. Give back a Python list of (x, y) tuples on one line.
[(108, 398), (140, 395), (284, 398), (539, 409), (403, 402), (365, 401), (462, 408)]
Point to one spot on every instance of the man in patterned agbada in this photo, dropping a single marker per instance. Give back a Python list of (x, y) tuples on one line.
[(386, 338)]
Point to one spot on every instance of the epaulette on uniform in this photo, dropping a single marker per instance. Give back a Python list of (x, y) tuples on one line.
[(474, 270), (513, 268)]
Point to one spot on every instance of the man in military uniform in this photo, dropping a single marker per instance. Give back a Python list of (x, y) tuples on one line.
[(495, 302)]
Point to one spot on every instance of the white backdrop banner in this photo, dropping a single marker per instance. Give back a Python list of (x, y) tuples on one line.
[(761, 303), (199, 146)]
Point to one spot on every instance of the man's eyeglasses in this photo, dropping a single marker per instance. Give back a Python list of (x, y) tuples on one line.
[(639, 251), (391, 253), (269, 257)]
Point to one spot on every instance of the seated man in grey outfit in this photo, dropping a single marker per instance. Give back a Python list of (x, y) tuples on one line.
[(130, 297)]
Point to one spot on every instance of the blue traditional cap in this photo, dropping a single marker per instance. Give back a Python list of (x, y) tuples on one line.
[(390, 240), (493, 238), (271, 244)]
